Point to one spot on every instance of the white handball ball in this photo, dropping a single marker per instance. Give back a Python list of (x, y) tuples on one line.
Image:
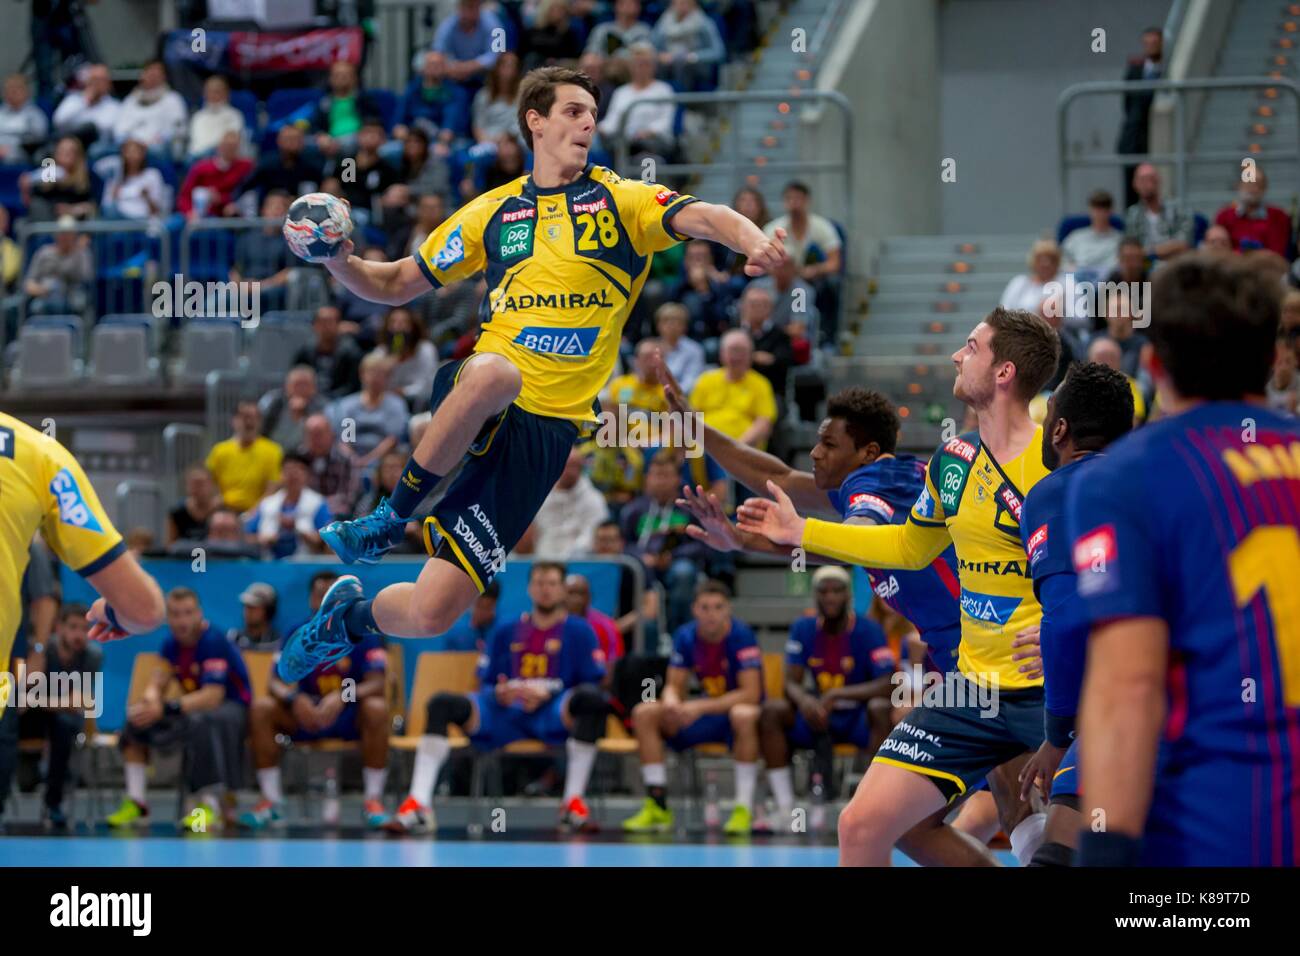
[(317, 224)]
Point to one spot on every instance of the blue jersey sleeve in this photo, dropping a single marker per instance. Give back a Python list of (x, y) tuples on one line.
[(586, 661), (1116, 553), (494, 662), (799, 645), (372, 655), (1042, 532), (682, 655), (1063, 637), (743, 649), (214, 655), (860, 497), (872, 648)]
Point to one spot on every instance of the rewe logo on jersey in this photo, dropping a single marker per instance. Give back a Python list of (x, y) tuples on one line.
[(866, 500), (577, 342), (991, 608), (72, 505)]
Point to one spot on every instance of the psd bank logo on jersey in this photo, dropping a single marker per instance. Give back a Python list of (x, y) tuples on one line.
[(567, 342), (517, 240), (73, 509), (452, 251), (989, 608)]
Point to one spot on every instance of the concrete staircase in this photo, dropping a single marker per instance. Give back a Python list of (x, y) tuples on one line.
[(928, 293), (1232, 119)]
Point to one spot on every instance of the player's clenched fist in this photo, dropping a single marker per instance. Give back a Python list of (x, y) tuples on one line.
[(765, 253)]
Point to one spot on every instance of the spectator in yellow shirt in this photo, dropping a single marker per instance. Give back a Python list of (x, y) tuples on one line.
[(246, 466), (640, 388), (735, 399)]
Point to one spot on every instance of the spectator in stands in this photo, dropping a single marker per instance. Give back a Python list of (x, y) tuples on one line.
[(340, 113), (639, 389), (333, 472), (361, 318), (214, 118), (1252, 223), (335, 357), (603, 73), (1119, 327), (794, 301), (140, 540), (23, 126), (655, 530), (813, 242), (683, 356), (59, 275), (211, 185), (1104, 350), (615, 38), (1094, 248), (735, 399), (1134, 133), (287, 169), (246, 465), (188, 521), (369, 174), (372, 420), (68, 188), (414, 359), (289, 519), (773, 350), (1217, 240), (567, 521), (689, 45), (68, 660), (435, 104), (258, 633), (749, 202), (91, 112), (508, 165), (261, 255), (387, 476), (207, 721), (152, 113), (467, 40), (423, 171), (722, 654), (704, 291), (1162, 226), (225, 538), (646, 125), (285, 409), (430, 213), (1029, 290), (472, 635), (11, 257), (1132, 262), (577, 597), (135, 190), (1283, 391), (1073, 349), (609, 542), (495, 106), (552, 37), (341, 700)]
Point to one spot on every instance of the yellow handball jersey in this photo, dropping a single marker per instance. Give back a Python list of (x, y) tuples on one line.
[(42, 487), (564, 267), (974, 502)]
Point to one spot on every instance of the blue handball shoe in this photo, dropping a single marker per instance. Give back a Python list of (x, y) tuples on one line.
[(324, 638), (365, 540)]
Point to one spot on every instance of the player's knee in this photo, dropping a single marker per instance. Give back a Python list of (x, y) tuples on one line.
[(263, 709), (431, 613), (374, 711), (744, 717), (646, 713), (493, 378), (444, 710), (774, 714), (859, 825), (587, 710)]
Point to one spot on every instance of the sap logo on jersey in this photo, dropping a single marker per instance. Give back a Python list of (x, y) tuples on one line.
[(990, 608), (558, 341), (925, 504), (72, 506), (452, 251), (6, 442)]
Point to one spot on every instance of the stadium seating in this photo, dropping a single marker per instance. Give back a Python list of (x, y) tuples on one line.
[(207, 345), (46, 356), (120, 355)]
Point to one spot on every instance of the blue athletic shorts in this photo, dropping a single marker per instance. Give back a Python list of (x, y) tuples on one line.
[(709, 729), (498, 726), (846, 727), (345, 728)]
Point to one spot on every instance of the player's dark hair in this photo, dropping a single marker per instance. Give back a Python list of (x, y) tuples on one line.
[(1101, 198), (539, 566), (184, 594), (1026, 341), (1214, 325), (537, 92), (298, 458), (713, 586), (1097, 402), (797, 186), (73, 609), (665, 457), (1130, 241), (330, 576), (868, 417)]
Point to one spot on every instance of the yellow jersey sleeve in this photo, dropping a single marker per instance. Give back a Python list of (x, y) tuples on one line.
[(73, 522), (454, 250), (907, 547), (646, 210)]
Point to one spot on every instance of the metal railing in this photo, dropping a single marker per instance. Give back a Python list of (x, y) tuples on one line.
[(207, 253), (731, 157), (402, 29), (224, 391), (140, 505), (183, 447), (127, 256), (1181, 157)]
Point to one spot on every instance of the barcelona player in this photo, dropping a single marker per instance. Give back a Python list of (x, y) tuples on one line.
[(565, 252), (42, 488), (1092, 407), (539, 679), (1186, 541), (851, 666), (993, 712), (342, 700), (722, 654)]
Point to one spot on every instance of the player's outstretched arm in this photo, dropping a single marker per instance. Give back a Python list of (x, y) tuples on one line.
[(135, 600), (702, 220), (392, 283)]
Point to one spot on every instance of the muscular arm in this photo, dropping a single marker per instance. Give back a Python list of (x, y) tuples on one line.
[(909, 546), (794, 688), (391, 283), (749, 691), (134, 596), (878, 687), (675, 685), (1121, 714), (702, 220), (205, 698)]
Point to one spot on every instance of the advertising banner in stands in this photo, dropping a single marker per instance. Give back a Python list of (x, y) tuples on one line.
[(190, 55)]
